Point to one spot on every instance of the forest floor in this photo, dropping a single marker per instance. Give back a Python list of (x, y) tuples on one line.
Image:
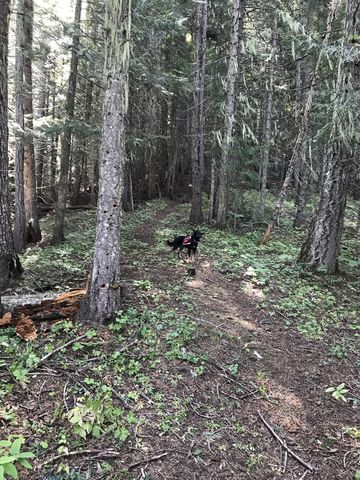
[(183, 384)]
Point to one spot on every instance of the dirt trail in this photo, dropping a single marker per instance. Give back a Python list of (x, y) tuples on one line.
[(281, 374)]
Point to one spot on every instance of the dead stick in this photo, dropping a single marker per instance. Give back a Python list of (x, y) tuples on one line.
[(77, 339), (283, 444), (147, 460), (104, 453)]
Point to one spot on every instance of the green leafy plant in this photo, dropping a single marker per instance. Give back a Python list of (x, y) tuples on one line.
[(94, 416), (338, 392), (233, 368), (10, 454), (353, 432), (261, 378)]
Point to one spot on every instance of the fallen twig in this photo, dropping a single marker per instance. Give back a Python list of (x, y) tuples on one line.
[(283, 444), (201, 414), (224, 374), (147, 460), (100, 453), (64, 395), (283, 468), (70, 342), (304, 475)]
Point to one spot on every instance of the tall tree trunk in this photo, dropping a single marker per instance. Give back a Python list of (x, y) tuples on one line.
[(174, 146), (81, 170), (303, 126), (54, 140), (212, 189), (302, 172), (104, 294), (63, 185), (81, 167), (33, 233), (198, 122), (322, 247), (131, 191), (266, 137), (236, 22), (9, 262), (40, 151), (53, 164), (20, 220), (304, 177)]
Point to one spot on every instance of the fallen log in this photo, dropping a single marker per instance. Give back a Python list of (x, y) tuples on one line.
[(23, 317)]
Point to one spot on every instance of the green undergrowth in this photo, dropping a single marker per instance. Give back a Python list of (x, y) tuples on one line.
[(316, 304), (105, 382), (64, 266), (150, 374)]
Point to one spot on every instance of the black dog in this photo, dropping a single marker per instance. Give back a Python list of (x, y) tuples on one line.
[(186, 241)]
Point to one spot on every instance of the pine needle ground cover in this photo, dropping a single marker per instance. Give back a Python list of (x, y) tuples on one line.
[(199, 373)]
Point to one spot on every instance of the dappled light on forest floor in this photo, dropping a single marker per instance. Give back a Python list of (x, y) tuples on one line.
[(251, 290), (178, 382)]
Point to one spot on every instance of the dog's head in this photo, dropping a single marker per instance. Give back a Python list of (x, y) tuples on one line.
[(197, 235)]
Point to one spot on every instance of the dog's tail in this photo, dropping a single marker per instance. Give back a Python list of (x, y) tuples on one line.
[(170, 243)]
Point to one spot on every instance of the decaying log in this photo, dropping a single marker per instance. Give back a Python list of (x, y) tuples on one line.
[(24, 317)]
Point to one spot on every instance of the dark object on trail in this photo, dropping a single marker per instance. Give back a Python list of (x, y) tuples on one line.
[(186, 241), (211, 34), (191, 272), (15, 268), (31, 235)]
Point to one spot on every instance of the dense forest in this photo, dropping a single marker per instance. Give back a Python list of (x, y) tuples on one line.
[(124, 124)]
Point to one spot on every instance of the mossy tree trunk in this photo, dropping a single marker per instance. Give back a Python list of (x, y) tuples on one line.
[(222, 193), (198, 119), (33, 232), (20, 220), (8, 258), (104, 294)]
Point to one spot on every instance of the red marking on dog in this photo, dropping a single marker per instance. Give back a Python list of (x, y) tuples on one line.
[(187, 240)]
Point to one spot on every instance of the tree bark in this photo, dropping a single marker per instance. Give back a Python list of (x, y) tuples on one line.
[(266, 137), (81, 167), (302, 174), (174, 147), (54, 141), (304, 178), (104, 294), (33, 233), (9, 262), (63, 185), (322, 247), (222, 197), (212, 189), (302, 128), (40, 151), (20, 219), (198, 121)]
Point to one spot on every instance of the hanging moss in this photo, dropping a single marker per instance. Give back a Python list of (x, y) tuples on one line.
[(117, 44)]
